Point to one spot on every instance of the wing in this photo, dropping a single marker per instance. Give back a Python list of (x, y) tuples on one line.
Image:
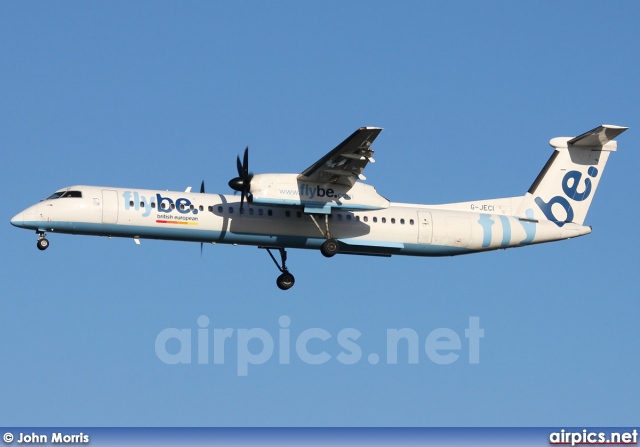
[(344, 164)]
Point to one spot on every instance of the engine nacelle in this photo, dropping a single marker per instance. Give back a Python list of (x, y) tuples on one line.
[(287, 190)]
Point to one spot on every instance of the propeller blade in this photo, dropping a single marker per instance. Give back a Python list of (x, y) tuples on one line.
[(202, 187), (201, 244), (245, 163), (242, 183), (239, 166)]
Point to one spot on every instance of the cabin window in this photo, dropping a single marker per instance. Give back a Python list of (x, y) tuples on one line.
[(339, 216), (153, 204), (230, 210), (365, 218), (348, 216), (251, 211), (191, 207), (260, 212), (220, 209), (401, 221), (131, 203), (393, 220), (182, 206), (287, 213), (201, 208), (358, 218), (241, 210), (411, 222), (270, 212), (298, 214), (173, 206), (384, 220), (141, 204), (375, 220)]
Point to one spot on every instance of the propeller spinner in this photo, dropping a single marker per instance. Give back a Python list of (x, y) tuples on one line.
[(242, 182)]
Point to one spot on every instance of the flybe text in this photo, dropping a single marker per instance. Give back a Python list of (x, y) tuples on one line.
[(318, 191), (139, 202)]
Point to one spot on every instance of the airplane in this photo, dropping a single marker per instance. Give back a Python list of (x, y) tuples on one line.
[(327, 207)]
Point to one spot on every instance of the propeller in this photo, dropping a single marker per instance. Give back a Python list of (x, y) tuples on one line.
[(242, 182)]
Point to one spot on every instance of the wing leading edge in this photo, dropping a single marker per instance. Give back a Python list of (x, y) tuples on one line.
[(344, 164)]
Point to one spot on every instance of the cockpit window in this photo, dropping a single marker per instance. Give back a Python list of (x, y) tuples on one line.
[(59, 194), (55, 195)]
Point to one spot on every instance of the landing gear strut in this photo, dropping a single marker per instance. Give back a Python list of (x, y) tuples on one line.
[(286, 280), (329, 247), (42, 243)]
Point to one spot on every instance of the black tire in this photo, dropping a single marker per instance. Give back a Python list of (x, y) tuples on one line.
[(43, 244), (329, 248), (285, 281)]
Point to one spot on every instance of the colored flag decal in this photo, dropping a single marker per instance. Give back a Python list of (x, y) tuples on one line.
[(177, 222)]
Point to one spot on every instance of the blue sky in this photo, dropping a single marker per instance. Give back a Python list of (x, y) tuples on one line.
[(162, 95)]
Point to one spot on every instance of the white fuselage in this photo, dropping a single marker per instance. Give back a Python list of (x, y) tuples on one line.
[(403, 229)]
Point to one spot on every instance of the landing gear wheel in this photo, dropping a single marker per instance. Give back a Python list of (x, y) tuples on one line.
[(285, 281), (43, 244), (329, 248)]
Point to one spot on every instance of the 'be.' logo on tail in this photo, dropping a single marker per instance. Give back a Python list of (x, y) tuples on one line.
[(570, 191)]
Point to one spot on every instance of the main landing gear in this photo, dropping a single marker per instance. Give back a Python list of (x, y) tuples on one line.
[(42, 243), (329, 247), (286, 280)]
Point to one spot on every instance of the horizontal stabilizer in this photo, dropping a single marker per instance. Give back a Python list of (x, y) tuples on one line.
[(597, 137)]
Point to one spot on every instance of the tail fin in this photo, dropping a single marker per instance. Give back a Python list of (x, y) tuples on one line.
[(563, 190)]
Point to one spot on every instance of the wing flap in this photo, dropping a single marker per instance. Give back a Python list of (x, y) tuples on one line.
[(345, 163)]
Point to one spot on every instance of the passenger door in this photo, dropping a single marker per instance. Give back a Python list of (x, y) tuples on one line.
[(109, 206)]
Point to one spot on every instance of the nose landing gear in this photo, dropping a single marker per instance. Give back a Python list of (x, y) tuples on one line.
[(42, 243), (286, 280)]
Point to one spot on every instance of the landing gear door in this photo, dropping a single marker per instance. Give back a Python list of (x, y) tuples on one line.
[(109, 206), (425, 227)]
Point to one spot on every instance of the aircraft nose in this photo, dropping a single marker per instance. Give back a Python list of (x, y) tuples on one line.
[(26, 218), (18, 220)]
